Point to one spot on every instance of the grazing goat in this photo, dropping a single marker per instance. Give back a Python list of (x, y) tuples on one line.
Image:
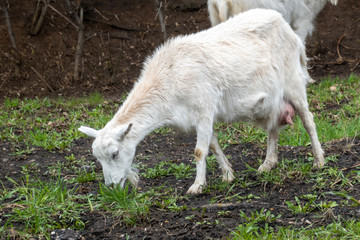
[(300, 14), (250, 68)]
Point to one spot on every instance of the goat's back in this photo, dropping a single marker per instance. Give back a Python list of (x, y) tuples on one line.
[(228, 72)]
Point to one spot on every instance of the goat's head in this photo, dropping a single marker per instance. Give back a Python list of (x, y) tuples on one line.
[(115, 152)]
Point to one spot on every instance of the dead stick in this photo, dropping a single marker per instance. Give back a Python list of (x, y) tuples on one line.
[(79, 47), (42, 79), (356, 64), (98, 12), (347, 47), (356, 165), (110, 24), (338, 48), (230, 205), (161, 18), (62, 15)]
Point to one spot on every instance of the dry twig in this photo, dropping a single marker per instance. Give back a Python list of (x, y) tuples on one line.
[(340, 58), (62, 15), (161, 18), (42, 79)]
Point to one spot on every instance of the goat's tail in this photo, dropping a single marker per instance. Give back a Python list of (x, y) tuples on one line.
[(303, 62), (333, 2)]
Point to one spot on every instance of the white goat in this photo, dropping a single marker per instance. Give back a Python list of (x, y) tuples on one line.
[(250, 68), (300, 14)]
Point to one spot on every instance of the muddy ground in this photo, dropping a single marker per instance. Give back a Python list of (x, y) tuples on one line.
[(119, 35), (204, 217)]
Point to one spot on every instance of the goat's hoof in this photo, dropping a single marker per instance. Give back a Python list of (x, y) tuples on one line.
[(265, 167), (318, 164), (228, 177), (195, 189)]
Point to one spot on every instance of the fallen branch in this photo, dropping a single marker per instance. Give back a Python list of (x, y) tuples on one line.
[(161, 18), (98, 12), (355, 66), (42, 79), (350, 48), (62, 15), (231, 205), (340, 58), (111, 24), (355, 166)]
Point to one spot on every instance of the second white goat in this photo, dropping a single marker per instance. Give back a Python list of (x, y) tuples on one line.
[(300, 14)]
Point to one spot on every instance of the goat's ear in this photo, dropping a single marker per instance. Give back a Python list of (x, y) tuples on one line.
[(123, 132), (89, 131)]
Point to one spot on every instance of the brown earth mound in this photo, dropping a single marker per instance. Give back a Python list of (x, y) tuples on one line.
[(120, 34)]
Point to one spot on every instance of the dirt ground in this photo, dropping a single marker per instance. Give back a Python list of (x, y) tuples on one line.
[(177, 148), (119, 35)]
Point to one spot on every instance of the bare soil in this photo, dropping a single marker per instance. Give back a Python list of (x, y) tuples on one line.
[(178, 148), (119, 35)]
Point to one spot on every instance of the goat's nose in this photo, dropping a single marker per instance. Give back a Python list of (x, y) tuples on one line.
[(108, 179)]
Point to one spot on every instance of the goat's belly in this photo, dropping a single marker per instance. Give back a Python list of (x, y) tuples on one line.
[(247, 109)]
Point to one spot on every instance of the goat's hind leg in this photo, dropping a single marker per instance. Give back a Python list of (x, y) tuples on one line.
[(226, 168), (308, 121)]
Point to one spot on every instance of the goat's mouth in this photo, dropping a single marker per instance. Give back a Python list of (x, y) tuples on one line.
[(114, 181), (122, 182)]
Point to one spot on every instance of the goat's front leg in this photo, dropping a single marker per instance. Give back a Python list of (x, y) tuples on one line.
[(271, 152), (226, 168), (201, 152)]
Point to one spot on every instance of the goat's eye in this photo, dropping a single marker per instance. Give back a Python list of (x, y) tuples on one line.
[(115, 154)]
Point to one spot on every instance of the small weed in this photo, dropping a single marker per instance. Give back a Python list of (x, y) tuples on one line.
[(297, 207), (21, 152), (190, 217), (223, 213), (262, 216), (84, 176)]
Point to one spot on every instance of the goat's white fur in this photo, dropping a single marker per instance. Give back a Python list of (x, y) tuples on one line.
[(245, 69), (300, 14)]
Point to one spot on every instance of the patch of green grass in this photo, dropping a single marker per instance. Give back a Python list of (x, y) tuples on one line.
[(262, 216), (52, 123), (85, 176), (125, 203), (337, 230), (335, 112), (297, 206), (164, 169), (169, 200), (35, 206)]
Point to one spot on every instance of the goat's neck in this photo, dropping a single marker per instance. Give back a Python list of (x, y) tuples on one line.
[(143, 122), (144, 108)]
